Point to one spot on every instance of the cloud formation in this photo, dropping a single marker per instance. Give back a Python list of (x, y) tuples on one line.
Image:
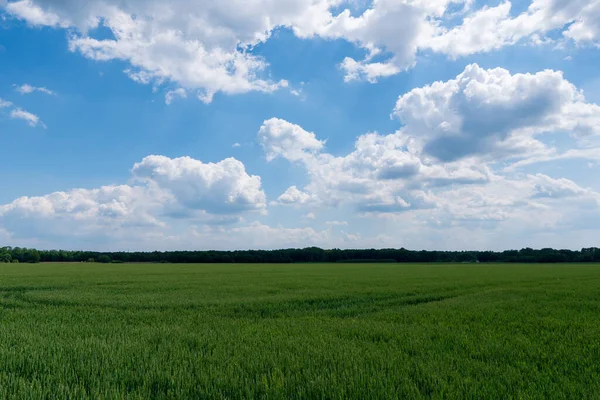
[(31, 119), (28, 89), (443, 163), (166, 189), (491, 28), (217, 188), (455, 174), (15, 112), (494, 114), (173, 94), (204, 47), (281, 138)]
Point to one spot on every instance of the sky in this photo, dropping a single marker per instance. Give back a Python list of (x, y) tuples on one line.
[(264, 124)]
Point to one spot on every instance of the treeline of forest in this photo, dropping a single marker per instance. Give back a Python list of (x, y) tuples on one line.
[(310, 254)]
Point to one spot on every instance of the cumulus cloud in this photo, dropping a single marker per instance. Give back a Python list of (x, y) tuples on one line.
[(82, 212), (293, 195), (491, 28), (378, 30), (166, 189), (27, 89), (217, 188), (455, 134), (371, 177), (201, 46), (282, 138), (429, 26), (34, 14), (205, 47), (479, 32), (586, 27), (493, 113)]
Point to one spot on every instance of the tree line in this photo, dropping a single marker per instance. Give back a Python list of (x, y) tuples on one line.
[(310, 254)]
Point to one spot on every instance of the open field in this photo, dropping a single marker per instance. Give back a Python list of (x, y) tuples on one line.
[(299, 331)]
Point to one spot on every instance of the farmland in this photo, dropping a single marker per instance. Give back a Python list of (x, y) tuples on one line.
[(299, 331)]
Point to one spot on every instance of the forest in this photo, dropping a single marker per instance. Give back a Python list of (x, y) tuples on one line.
[(310, 254)]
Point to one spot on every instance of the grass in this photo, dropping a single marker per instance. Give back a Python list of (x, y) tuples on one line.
[(326, 331)]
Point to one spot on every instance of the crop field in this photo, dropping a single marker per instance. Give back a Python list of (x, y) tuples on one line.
[(328, 331)]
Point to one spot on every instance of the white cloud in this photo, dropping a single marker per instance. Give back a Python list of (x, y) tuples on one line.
[(491, 28), (281, 138), (455, 134), (546, 187), (34, 14), (371, 177), (27, 89), (205, 47), (217, 188), (167, 190), (183, 203), (586, 27), (173, 94), (452, 166), (31, 119), (82, 212), (363, 70), (481, 31), (493, 114), (535, 201), (15, 112), (5, 103), (592, 153), (294, 196), (428, 25), (425, 26), (201, 46), (388, 26)]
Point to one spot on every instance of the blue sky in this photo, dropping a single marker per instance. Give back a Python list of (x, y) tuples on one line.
[(393, 123)]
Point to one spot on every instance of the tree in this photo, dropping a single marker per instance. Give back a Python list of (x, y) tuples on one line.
[(104, 259), (5, 257), (17, 254), (31, 256)]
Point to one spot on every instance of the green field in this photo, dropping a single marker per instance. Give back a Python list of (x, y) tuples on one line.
[(299, 331)]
